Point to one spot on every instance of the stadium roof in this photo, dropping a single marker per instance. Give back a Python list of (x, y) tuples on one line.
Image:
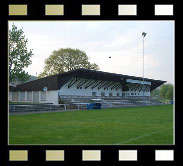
[(55, 82)]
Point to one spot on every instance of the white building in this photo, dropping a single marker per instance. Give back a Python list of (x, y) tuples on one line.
[(85, 83)]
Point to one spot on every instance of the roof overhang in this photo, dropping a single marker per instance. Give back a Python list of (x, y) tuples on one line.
[(55, 82)]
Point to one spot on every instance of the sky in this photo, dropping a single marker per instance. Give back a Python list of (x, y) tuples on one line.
[(122, 40)]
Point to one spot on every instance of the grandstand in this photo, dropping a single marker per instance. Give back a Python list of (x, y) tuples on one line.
[(78, 87)]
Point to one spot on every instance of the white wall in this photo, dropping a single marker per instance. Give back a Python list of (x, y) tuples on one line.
[(146, 93), (64, 90), (10, 96), (51, 97)]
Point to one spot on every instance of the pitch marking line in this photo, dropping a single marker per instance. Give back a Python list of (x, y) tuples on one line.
[(136, 138)]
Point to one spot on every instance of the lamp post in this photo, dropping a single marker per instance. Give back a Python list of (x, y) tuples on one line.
[(143, 35)]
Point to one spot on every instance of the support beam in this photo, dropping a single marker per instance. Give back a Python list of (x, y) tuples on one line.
[(134, 87), (141, 88), (118, 87), (147, 88), (130, 86), (73, 81), (82, 83), (99, 83), (137, 87), (115, 86), (107, 86), (102, 85), (96, 83), (81, 80), (91, 82)]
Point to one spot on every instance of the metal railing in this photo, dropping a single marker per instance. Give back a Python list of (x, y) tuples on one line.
[(103, 97), (36, 107), (18, 108)]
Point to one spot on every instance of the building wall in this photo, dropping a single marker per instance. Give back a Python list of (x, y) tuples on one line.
[(64, 90), (51, 97), (10, 96), (138, 93)]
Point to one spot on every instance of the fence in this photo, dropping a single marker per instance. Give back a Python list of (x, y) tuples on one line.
[(13, 108), (36, 107)]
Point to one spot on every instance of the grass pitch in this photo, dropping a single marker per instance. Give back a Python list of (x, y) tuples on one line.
[(140, 125)]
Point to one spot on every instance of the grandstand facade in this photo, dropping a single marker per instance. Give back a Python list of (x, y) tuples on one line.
[(86, 84)]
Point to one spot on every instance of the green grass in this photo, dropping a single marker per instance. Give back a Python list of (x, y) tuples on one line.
[(140, 125)]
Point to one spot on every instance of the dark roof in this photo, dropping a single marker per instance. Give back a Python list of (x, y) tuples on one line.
[(17, 81), (12, 87), (55, 82)]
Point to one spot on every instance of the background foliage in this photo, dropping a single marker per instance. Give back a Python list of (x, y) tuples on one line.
[(67, 59), (164, 92), (19, 55)]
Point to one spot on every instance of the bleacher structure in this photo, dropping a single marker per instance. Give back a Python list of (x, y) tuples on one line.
[(80, 103), (75, 88), (109, 102)]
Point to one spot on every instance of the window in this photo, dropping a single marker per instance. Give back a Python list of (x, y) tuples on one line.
[(132, 94), (117, 94), (43, 95), (110, 94), (22, 96), (14, 96), (102, 94), (93, 93), (29, 96)]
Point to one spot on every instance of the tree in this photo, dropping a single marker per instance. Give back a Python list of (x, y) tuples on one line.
[(163, 90), (155, 93), (67, 59), (166, 91), (19, 55), (169, 93)]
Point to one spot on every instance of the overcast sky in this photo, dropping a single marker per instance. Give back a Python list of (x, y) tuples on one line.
[(122, 40)]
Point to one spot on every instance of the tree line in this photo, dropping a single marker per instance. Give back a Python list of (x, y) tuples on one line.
[(164, 92)]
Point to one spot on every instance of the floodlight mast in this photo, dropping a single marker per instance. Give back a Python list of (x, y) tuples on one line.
[(143, 35)]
